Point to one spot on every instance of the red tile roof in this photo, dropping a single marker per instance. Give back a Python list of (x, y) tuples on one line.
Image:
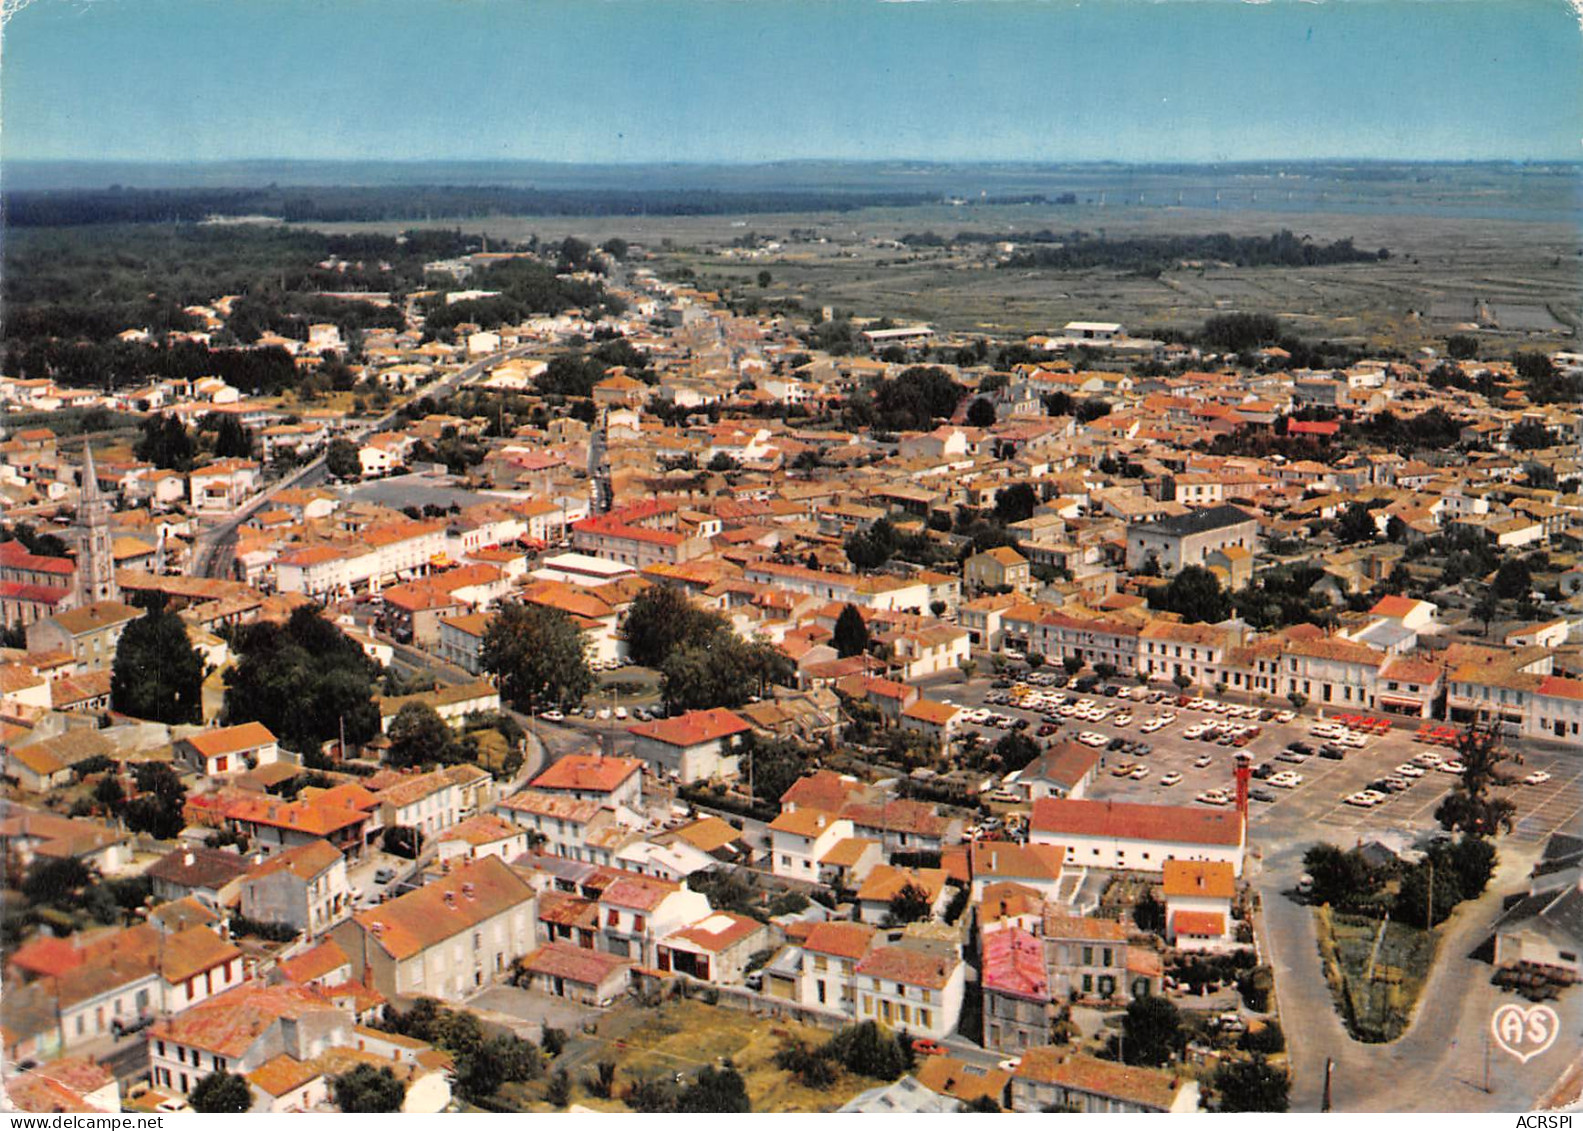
[(1201, 924), (1118, 820), (588, 967), (588, 772), (913, 967), (473, 893), (842, 940), (1013, 963), (1209, 878), (694, 728)]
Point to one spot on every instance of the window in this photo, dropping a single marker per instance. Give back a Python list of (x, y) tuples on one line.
[(613, 918), (1088, 983), (1107, 956), (1088, 956), (637, 923)]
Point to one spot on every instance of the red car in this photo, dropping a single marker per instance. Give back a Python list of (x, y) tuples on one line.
[(923, 1046)]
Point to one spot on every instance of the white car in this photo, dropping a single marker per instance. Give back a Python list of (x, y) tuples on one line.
[(1428, 758), (604, 712), (1451, 767), (1213, 797), (1408, 770), (1171, 778), (1202, 760), (1167, 717), (1538, 777), (621, 712), (1286, 779), (1122, 720), (1363, 800), (1151, 726), (1139, 773), (1090, 738), (1285, 716)]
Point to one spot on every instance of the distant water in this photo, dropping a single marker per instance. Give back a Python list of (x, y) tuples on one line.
[(1539, 193)]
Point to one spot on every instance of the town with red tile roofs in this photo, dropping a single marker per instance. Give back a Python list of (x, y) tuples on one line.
[(552, 680)]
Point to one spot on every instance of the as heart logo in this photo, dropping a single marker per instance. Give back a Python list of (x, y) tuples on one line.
[(1525, 1033)]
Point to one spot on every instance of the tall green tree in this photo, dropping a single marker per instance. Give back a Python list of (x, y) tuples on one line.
[(366, 1089), (1016, 503), (538, 655), (1251, 1085), (662, 619), (342, 460), (725, 672), (871, 548), (909, 905), (1196, 595), (157, 674), (304, 680), (715, 1089), (1470, 808), (221, 1093), (850, 637), (1152, 1031), (166, 443), (419, 737)]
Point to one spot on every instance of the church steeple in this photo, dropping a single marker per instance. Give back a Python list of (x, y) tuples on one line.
[(95, 560), (601, 492)]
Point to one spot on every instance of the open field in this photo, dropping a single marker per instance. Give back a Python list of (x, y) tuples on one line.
[(1462, 242)]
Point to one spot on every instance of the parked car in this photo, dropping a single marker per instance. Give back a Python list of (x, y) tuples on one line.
[(552, 716), (384, 875), (1538, 777), (1261, 794), (1172, 778), (924, 1046)]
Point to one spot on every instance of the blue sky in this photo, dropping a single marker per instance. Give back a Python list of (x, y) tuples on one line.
[(759, 80)]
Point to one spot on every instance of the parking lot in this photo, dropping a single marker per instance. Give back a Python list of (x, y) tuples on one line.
[(1316, 802)]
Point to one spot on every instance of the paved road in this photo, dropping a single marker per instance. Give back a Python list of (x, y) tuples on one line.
[(214, 545), (1439, 1063)]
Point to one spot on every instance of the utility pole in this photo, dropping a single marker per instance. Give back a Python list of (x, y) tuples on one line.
[(1330, 1068), (1429, 899)]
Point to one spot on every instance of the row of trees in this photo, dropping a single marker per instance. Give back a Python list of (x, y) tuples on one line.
[(702, 662)]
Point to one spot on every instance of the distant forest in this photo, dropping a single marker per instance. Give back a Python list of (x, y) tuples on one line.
[(68, 292), (329, 204), (1077, 250)]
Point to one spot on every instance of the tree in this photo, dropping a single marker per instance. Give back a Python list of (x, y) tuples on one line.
[(850, 637), (1151, 1030), (1356, 524), (159, 808), (1487, 607), (871, 548), (366, 1089), (662, 619), (158, 674), (342, 460), (1462, 347), (1182, 680), (419, 737), (1071, 665), (715, 1089), (1472, 858), (559, 1092), (165, 443), (765, 279), (1413, 898), (107, 792), (1297, 699), (1469, 808), (772, 764), (724, 672), (869, 1050), (306, 680), (1016, 503), (1340, 878), (1513, 581), (55, 881), (232, 438), (981, 413), (1015, 750), (909, 905), (538, 655), (1251, 1085), (221, 1093), (1195, 595), (1527, 435)]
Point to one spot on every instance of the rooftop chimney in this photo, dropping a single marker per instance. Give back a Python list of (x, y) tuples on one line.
[(467, 889)]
